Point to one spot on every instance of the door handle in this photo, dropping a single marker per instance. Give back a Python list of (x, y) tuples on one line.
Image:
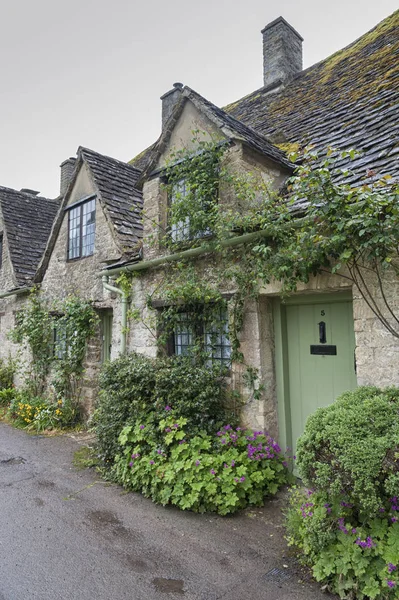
[(322, 332)]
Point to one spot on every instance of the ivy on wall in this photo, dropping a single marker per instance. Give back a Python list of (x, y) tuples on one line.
[(313, 225), (61, 355)]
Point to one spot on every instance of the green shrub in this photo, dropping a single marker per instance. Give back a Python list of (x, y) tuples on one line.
[(136, 388), (347, 525), (351, 448), (204, 473), (7, 395), (7, 371), (126, 391)]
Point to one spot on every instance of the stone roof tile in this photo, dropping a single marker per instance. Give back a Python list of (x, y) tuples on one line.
[(123, 202), (28, 220)]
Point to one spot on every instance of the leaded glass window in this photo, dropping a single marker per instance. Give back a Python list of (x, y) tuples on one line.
[(190, 334), (81, 229), (181, 230)]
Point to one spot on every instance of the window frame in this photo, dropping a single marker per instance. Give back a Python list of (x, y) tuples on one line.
[(80, 205), (198, 335), (181, 233), (60, 341)]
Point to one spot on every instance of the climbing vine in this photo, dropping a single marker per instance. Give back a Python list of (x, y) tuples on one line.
[(77, 323), (33, 327), (318, 222), (57, 339)]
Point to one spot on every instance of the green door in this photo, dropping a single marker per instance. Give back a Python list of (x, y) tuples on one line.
[(320, 354)]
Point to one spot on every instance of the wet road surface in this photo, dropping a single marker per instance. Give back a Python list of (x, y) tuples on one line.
[(67, 535)]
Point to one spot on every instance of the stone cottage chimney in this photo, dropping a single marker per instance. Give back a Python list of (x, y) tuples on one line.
[(169, 101), (282, 52), (67, 168)]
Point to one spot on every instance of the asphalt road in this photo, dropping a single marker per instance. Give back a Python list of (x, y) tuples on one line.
[(67, 535)]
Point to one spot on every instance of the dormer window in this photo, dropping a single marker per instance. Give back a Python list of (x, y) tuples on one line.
[(179, 231), (81, 229), (186, 228)]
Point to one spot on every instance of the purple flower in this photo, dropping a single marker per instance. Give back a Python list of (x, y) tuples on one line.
[(390, 583), (182, 442), (159, 451), (197, 463), (368, 543), (212, 471), (152, 462), (167, 408), (130, 464), (391, 568), (242, 478), (394, 519), (233, 463), (142, 426), (226, 466), (354, 531), (168, 430)]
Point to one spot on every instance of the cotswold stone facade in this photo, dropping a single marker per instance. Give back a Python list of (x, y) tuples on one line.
[(306, 348)]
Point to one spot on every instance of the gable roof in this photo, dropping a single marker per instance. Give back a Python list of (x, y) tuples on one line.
[(121, 199), (28, 220), (229, 126), (350, 99)]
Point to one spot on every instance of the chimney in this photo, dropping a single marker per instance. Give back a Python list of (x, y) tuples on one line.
[(30, 192), (282, 52), (67, 168), (169, 101)]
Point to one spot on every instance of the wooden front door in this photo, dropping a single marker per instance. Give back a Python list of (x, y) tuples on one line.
[(319, 353)]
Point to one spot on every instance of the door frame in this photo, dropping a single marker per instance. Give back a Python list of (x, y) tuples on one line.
[(281, 352)]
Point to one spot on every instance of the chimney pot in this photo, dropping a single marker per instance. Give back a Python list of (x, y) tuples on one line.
[(282, 52), (169, 101), (67, 168)]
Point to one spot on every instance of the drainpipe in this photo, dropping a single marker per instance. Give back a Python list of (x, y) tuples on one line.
[(17, 292), (191, 253), (124, 297)]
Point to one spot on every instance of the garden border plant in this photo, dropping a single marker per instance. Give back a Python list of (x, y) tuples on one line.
[(346, 525), (32, 406)]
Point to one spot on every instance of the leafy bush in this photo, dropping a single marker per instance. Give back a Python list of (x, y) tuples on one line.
[(7, 395), (7, 371), (351, 448), (356, 559), (347, 525), (217, 473), (137, 388)]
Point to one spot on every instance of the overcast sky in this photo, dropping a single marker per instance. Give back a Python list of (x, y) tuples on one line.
[(90, 72)]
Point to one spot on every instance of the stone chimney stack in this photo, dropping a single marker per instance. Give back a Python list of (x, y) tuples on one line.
[(282, 52), (67, 168), (169, 101)]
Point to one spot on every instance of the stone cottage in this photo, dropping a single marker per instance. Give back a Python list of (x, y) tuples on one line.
[(350, 99)]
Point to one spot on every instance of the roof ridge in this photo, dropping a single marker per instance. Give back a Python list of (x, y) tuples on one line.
[(84, 149), (26, 194), (265, 89)]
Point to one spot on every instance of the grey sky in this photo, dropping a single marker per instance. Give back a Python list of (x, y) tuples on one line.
[(90, 73)]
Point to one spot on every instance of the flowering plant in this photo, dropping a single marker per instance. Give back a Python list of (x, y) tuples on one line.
[(204, 473), (356, 558), (347, 525)]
